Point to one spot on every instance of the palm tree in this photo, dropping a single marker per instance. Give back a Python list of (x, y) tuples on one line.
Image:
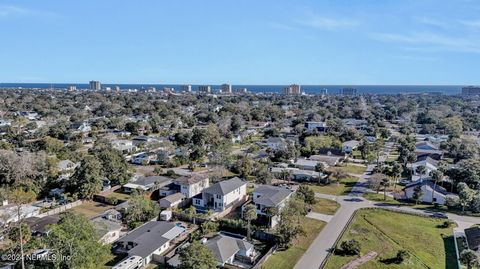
[(286, 175), (421, 171), (191, 213), (385, 183), (397, 171), (249, 214), (436, 176)]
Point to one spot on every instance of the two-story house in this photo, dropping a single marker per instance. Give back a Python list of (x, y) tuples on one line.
[(266, 197), (221, 195)]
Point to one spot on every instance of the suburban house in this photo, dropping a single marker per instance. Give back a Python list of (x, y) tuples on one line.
[(276, 143), (473, 238), (440, 196), (9, 212), (189, 186), (150, 183), (172, 200), (146, 243), (125, 146), (231, 250), (426, 148), (66, 166), (39, 226), (307, 164), (82, 127), (221, 195), (144, 158), (265, 197), (330, 160), (355, 124), (107, 230), (429, 164), (316, 125), (350, 146), (297, 174)]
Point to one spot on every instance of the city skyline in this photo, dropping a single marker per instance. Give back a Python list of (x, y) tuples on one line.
[(266, 43)]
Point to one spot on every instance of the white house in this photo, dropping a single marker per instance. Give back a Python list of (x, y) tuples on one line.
[(316, 125), (429, 164), (307, 164), (226, 248), (266, 196), (276, 143), (125, 146), (350, 146), (172, 200), (106, 229), (439, 197), (146, 243), (221, 195), (192, 185)]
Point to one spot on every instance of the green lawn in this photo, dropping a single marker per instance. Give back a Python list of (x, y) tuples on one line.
[(119, 195), (325, 206), (341, 187), (286, 259), (386, 232), (91, 209), (378, 197), (350, 168)]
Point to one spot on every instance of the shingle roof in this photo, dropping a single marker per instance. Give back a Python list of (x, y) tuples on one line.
[(224, 247), (102, 226), (189, 180), (437, 188), (150, 236), (226, 186), (473, 237), (270, 195)]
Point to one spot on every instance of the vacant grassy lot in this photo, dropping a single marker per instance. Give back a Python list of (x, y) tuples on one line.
[(350, 168), (341, 187), (387, 232), (91, 209), (286, 259), (325, 206)]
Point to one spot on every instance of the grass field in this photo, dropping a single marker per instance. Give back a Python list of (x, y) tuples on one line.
[(325, 206), (350, 168), (387, 232), (378, 197), (286, 259), (341, 187), (90, 209), (119, 195)]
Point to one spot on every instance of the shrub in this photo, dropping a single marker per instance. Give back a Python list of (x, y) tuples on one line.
[(447, 224), (402, 255), (350, 247)]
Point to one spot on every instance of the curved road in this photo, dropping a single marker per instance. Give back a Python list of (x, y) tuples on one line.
[(320, 247)]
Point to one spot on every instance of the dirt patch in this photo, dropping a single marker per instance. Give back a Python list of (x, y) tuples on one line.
[(361, 260)]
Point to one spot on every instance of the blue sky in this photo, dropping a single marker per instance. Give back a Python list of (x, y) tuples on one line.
[(241, 42)]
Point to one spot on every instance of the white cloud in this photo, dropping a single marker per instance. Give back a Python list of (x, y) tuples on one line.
[(326, 23), (16, 11), (433, 41), (472, 23)]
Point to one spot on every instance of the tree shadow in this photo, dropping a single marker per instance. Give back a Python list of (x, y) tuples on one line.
[(450, 254)]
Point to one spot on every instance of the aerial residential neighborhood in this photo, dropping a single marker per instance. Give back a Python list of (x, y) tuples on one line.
[(247, 134)]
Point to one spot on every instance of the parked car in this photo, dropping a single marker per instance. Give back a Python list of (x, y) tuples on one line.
[(439, 215)]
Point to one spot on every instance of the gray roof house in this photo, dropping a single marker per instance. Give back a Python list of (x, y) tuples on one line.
[(266, 196), (227, 249), (151, 183), (153, 237), (221, 195), (107, 230), (473, 238)]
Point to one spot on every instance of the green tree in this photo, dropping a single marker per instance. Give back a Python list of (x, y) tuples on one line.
[(75, 239), (87, 179), (436, 176), (307, 194), (469, 258), (140, 209), (290, 224), (465, 195), (191, 213), (209, 227), (417, 194), (114, 166), (350, 247), (197, 256), (249, 214), (421, 171)]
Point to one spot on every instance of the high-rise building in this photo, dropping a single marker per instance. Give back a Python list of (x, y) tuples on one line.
[(95, 85), (186, 88), (471, 90), (116, 88), (292, 89), (205, 88), (348, 91), (72, 88), (241, 90), (226, 88)]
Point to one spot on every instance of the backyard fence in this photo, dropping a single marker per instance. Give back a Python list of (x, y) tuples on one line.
[(60, 209)]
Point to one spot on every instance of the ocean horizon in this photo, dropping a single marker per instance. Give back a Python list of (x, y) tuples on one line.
[(309, 89)]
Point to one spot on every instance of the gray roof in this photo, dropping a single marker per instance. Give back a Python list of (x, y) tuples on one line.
[(473, 237), (148, 181), (351, 143), (149, 237), (270, 195), (432, 185), (189, 180), (224, 247), (102, 226), (226, 186), (173, 197)]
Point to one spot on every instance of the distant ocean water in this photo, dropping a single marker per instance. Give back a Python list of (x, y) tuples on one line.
[(311, 89)]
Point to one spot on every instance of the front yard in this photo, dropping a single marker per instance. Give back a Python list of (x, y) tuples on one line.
[(387, 232), (340, 187), (286, 259), (325, 206), (350, 168), (91, 209)]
